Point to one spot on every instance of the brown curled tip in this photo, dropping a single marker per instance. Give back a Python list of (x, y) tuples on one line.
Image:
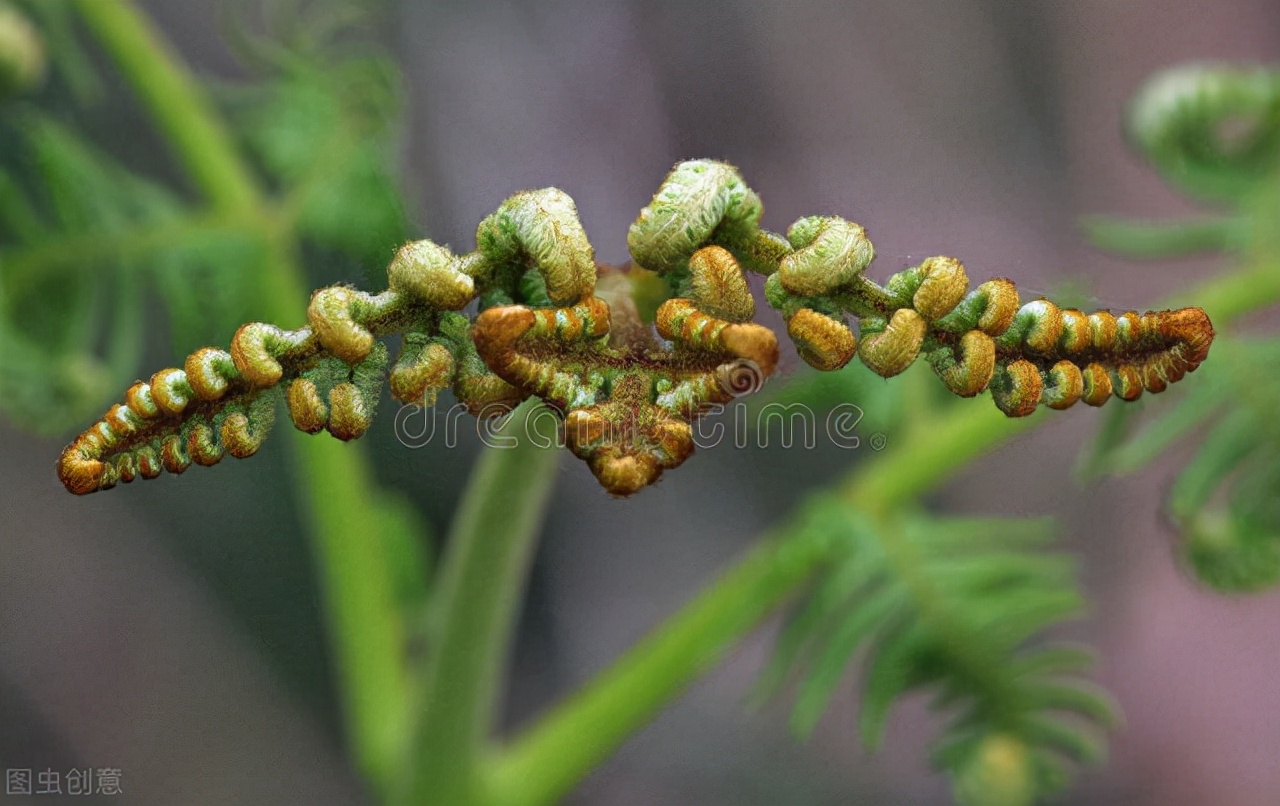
[(1193, 331), (943, 286), (972, 364), (1093, 357), (623, 474), (627, 453), (893, 349), (498, 329), (78, 469)]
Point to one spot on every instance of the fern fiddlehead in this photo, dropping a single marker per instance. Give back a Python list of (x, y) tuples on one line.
[(1026, 353), (555, 325)]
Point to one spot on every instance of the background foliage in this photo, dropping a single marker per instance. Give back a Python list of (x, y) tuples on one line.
[(112, 262)]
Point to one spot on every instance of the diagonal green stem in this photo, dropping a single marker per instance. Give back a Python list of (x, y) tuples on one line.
[(473, 614), (930, 452)]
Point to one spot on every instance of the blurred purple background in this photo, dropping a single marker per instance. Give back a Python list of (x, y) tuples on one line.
[(163, 631)]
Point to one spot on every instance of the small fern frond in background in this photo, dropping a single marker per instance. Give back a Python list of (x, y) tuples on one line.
[(956, 606), (84, 237), (1224, 501), (54, 299), (1214, 133)]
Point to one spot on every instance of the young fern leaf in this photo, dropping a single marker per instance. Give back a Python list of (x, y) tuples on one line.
[(553, 324), (950, 605), (1178, 120), (223, 402)]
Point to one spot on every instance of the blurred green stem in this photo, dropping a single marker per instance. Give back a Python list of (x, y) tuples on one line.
[(334, 483), (930, 452), (183, 112), (564, 746), (474, 609)]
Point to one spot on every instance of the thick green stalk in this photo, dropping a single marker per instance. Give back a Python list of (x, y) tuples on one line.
[(367, 631), (473, 613), (568, 743), (335, 483)]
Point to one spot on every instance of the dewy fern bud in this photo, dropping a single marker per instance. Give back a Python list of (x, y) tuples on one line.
[(331, 317), (967, 367), (423, 369), (627, 398), (830, 252), (541, 227), (210, 372)]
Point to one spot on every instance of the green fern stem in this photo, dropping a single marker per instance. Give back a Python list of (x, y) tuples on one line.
[(188, 120), (472, 617)]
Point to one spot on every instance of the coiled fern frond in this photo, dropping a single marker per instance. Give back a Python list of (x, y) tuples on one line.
[(627, 399), (1027, 354)]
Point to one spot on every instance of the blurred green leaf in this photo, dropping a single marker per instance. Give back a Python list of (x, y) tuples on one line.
[(326, 133), (1162, 239), (63, 207), (948, 603)]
